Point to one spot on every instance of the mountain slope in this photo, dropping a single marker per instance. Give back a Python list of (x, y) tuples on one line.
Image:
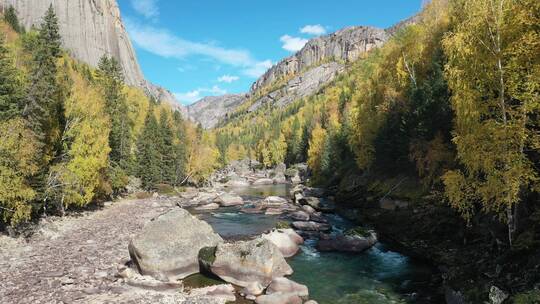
[(300, 75), (209, 110), (91, 29)]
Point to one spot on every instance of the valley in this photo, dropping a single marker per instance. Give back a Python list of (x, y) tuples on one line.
[(392, 164)]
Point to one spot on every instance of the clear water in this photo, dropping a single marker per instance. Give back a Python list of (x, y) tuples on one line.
[(377, 276)]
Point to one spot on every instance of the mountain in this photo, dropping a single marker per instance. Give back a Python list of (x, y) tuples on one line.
[(209, 110), (300, 75), (90, 29)]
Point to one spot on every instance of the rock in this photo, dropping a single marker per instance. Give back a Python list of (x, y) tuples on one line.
[(227, 200), (311, 302), (237, 183), (263, 181), (311, 226), (280, 179), (211, 206), (280, 168), (205, 197), (244, 262), (318, 217), (169, 245), (319, 204), (296, 179), (257, 209), (286, 286), (279, 298), (286, 240), (308, 209), (253, 289), (496, 295), (223, 292), (453, 297), (316, 192), (300, 216), (347, 243), (273, 211), (274, 201)]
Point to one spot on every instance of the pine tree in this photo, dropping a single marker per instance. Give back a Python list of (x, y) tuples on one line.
[(11, 88), (179, 149), (111, 80), (165, 146), (10, 16), (148, 157)]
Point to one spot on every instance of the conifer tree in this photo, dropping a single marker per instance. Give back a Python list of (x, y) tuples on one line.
[(165, 148), (111, 80), (179, 149), (148, 157), (11, 89), (10, 16)]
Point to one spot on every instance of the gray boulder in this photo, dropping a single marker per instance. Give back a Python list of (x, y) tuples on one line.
[(347, 242), (245, 262), (286, 240), (211, 206), (287, 286), (496, 295), (311, 226), (263, 181), (169, 245), (300, 216), (279, 298), (227, 200)]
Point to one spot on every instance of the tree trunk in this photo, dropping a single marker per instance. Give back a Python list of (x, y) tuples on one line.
[(512, 222)]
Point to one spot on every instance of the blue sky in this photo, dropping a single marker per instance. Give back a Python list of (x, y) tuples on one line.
[(197, 48)]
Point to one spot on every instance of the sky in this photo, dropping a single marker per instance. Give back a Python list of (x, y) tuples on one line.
[(198, 48)]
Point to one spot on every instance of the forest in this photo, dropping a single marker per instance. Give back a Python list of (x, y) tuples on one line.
[(72, 135)]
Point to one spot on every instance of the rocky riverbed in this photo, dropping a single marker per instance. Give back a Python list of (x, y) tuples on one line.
[(85, 259)]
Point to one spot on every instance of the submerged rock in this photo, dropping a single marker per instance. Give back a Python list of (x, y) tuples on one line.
[(211, 206), (286, 240), (223, 292), (169, 245), (311, 226), (279, 298), (347, 242), (274, 201), (244, 262)]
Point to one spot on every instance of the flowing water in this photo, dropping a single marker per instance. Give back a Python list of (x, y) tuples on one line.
[(377, 276)]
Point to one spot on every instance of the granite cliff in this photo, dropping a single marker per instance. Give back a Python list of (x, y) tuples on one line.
[(90, 29)]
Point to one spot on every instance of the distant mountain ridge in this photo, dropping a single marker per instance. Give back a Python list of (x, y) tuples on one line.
[(90, 29), (303, 74)]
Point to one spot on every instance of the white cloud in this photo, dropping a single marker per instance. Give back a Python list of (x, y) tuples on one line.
[(197, 94), (292, 44), (315, 30), (147, 8), (165, 44), (228, 78)]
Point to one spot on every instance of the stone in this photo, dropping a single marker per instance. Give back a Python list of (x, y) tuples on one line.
[(279, 298), (308, 209), (227, 200), (263, 181), (320, 204), (280, 179), (347, 243), (496, 295), (391, 205), (300, 216), (286, 286), (274, 201), (286, 240), (169, 245), (273, 211), (252, 289), (311, 302), (244, 262), (296, 179), (211, 206), (311, 226), (223, 292), (237, 183)]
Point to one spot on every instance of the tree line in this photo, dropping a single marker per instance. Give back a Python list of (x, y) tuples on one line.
[(71, 135)]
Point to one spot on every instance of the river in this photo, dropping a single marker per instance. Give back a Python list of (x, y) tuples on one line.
[(376, 276)]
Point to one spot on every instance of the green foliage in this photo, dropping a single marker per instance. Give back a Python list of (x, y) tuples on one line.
[(530, 297), (18, 147), (149, 158), (10, 16), (11, 86)]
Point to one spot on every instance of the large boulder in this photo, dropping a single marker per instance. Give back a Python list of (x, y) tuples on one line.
[(227, 200), (320, 204), (168, 246), (274, 201), (211, 206), (300, 216), (223, 293), (347, 242), (237, 183), (244, 262), (287, 286), (286, 240), (280, 178)]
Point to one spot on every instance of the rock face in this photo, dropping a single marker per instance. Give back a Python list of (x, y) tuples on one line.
[(242, 263), (90, 29), (209, 110), (168, 246), (347, 44), (347, 243)]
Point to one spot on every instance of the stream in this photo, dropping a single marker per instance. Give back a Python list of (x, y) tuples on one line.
[(376, 276)]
